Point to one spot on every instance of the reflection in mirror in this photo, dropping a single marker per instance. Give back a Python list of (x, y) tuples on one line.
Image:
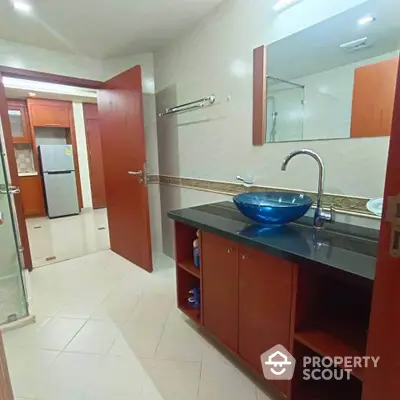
[(335, 79)]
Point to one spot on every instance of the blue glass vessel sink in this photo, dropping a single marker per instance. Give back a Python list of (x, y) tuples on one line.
[(273, 208)]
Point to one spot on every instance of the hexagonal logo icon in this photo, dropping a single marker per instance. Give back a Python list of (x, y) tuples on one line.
[(278, 364)]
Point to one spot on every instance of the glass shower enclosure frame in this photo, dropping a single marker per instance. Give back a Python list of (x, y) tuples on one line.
[(13, 296)]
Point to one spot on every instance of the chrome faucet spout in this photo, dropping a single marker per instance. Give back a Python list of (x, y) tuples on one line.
[(320, 215)]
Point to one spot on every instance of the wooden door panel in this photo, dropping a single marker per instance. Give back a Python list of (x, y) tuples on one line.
[(373, 99), (219, 266), (32, 196), (5, 121), (49, 113), (265, 299), (123, 141), (95, 155)]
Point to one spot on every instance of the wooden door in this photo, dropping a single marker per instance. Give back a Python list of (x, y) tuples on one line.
[(12, 163), (384, 330), (6, 392), (95, 155), (124, 158), (373, 99), (265, 293), (219, 265)]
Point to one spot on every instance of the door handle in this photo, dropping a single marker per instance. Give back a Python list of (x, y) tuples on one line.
[(1, 218), (142, 173), (10, 189)]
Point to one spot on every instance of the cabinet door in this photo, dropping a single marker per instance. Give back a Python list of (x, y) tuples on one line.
[(19, 120), (49, 113), (265, 298), (219, 265), (32, 196), (373, 99)]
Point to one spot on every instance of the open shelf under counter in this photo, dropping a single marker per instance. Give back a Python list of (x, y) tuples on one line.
[(327, 345), (193, 313), (188, 266)]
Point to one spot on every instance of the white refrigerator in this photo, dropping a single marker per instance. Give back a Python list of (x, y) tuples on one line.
[(58, 174)]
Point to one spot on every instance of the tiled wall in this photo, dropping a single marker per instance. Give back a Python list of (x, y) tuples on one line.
[(25, 160), (215, 143)]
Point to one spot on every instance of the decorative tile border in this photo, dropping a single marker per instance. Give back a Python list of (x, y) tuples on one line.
[(344, 204), (153, 179)]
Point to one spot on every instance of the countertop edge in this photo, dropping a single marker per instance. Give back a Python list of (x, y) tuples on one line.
[(284, 254)]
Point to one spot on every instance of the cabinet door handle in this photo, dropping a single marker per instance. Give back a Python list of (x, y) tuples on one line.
[(230, 250), (244, 257)]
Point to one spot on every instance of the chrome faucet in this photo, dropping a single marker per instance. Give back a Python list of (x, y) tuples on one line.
[(320, 215)]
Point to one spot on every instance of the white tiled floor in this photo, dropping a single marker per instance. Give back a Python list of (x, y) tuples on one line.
[(107, 330), (67, 237)]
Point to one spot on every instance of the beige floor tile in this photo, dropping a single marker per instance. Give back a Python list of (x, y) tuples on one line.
[(69, 376), (225, 382), (84, 232), (141, 337), (171, 380), (181, 342), (117, 378), (95, 337), (28, 367), (58, 332), (26, 336), (77, 307)]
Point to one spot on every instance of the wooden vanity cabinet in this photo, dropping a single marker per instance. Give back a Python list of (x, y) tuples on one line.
[(49, 113), (373, 99), (220, 281), (247, 299), (265, 302)]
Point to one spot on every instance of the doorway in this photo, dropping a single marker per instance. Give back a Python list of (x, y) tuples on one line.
[(49, 140), (121, 123)]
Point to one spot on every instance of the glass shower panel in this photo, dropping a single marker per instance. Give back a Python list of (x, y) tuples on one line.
[(285, 110), (13, 303)]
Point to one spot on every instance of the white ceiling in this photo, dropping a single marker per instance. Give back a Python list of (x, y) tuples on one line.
[(317, 48), (101, 28)]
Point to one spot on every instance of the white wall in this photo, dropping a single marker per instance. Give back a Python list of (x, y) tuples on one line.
[(216, 142), (83, 159), (37, 59), (51, 136)]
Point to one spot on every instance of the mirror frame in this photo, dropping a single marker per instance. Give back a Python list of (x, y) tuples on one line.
[(259, 96)]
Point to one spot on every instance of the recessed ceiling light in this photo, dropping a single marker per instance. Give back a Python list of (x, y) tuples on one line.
[(32, 94), (366, 20), (281, 5), (22, 6)]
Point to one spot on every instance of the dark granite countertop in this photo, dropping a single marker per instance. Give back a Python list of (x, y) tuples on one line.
[(345, 247)]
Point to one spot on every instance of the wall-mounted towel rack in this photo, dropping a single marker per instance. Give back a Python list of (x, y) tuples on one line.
[(189, 106)]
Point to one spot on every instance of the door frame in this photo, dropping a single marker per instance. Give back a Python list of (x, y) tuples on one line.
[(40, 77), (12, 162), (89, 116)]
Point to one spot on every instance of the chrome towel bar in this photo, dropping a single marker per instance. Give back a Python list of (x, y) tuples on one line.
[(189, 106)]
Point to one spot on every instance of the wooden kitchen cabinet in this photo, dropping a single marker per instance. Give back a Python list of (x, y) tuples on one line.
[(49, 113), (32, 196), (373, 99), (18, 114), (265, 302), (219, 264)]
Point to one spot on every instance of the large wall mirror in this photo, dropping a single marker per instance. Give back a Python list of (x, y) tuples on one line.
[(336, 79)]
